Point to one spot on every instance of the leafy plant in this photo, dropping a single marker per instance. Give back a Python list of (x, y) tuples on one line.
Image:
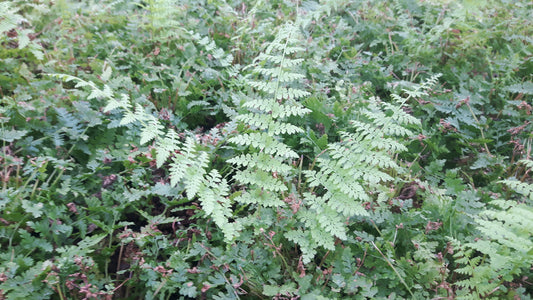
[(286, 150), (505, 246)]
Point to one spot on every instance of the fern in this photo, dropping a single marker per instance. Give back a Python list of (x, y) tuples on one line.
[(264, 142), (524, 88), (188, 165), (9, 20), (166, 146), (213, 194), (263, 168), (163, 15), (353, 171), (506, 245), (8, 17), (522, 187)]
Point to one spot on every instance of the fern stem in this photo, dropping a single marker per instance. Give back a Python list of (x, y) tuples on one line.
[(362, 262), (323, 259), (376, 227), (300, 173), (32, 176), (416, 158), (10, 244), (34, 189), (280, 68), (394, 269), (120, 253), (230, 285), (60, 292), (4, 184), (160, 287)]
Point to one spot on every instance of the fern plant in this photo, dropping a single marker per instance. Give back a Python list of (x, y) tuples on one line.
[(274, 100), (354, 171), (188, 164), (505, 245), (9, 20), (162, 17), (522, 188)]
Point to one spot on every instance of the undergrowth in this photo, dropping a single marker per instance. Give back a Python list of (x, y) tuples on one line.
[(288, 150)]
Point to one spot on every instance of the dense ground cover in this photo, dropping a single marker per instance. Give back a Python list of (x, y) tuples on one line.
[(271, 149)]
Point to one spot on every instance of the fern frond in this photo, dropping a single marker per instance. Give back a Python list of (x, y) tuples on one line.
[(188, 168), (524, 88), (23, 38), (332, 222), (345, 206), (399, 115), (526, 162), (277, 128), (258, 121), (97, 93), (388, 144), (266, 165), (280, 75), (113, 103), (307, 246), (396, 130), (506, 244), (67, 120), (280, 93), (291, 108), (190, 164), (277, 110), (266, 122), (421, 89), (351, 171), (137, 115)]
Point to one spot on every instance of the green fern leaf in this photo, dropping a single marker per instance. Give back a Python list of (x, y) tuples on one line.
[(8, 17), (151, 130), (302, 239), (266, 143), (166, 146), (524, 88), (260, 179), (113, 103), (261, 161)]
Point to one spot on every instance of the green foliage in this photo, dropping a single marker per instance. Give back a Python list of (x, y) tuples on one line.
[(354, 173), (505, 245), (504, 248), (10, 23), (274, 100), (237, 150)]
